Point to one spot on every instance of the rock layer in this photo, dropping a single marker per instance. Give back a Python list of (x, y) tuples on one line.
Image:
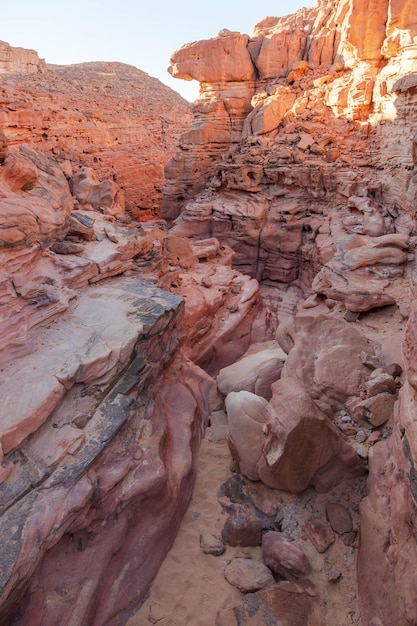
[(303, 158), (102, 407), (317, 190), (109, 116)]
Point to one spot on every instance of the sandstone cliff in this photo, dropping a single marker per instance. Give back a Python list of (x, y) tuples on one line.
[(109, 116), (19, 60), (102, 403), (302, 158), (292, 205)]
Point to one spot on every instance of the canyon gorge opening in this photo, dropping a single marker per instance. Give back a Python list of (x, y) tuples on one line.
[(230, 287)]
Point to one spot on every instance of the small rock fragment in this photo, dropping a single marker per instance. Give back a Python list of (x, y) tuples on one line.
[(248, 575), (283, 557), (379, 382), (211, 544), (350, 539), (320, 533), (339, 517), (334, 574), (394, 369)]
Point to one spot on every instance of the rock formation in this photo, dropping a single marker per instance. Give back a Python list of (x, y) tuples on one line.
[(311, 180), (281, 294), (108, 116), (102, 407), (19, 60)]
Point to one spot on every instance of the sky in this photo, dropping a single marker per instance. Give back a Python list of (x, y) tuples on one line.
[(138, 32)]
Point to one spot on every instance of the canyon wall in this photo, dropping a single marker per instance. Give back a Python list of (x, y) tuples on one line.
[(19, 60), (103, 404), (309, 128), (109, 116), (298, 176)]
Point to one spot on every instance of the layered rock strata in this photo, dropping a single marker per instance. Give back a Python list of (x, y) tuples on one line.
[(306, 177), (109, 116), (318, 193), (102, 407), (303, 147), (19, 60)]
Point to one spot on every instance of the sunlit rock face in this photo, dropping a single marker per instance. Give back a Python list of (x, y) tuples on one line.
[(109, 116), (318, 188), (19, 60), (331, 94), (299, 170), (225, 70)]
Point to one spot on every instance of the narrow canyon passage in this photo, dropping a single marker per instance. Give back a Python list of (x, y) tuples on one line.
[(191, 586), (230, 285)]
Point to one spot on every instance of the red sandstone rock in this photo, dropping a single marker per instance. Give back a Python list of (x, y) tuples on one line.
[(223, 59), (211, 544), (324, 355), (103, 196), (321, 534), (344, 277), (19, 60), (339, 517), (288, 444), (283, 557), (290, 601), (380, 382), (255, 373), (109, 116), (283, 198)]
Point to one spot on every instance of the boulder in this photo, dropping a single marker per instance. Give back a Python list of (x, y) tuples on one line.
[(283, 557), (361, 270), (290, 601), (89, 192), (250, 509), (248, 575), (324, 356), (288, 443), (339, 517), (255, 373)]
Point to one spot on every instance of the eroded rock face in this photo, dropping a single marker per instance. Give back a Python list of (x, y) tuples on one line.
[(324, 356), (291, 602), (107, 116), (302, 184), (303, 147), (19, 60), (102, 407), (255, 372), (389, 512)]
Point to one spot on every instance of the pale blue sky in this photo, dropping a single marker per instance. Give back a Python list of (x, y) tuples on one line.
[(140, 33)]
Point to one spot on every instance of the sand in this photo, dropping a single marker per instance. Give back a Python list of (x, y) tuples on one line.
[(190, 586)]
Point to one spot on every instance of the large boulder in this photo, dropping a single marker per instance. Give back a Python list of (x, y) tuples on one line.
[(255, 372), (288, 443), (105, 196), (362, 270), (324, 356)]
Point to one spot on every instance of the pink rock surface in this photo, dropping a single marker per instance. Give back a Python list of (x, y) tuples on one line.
[(255, 373), (19, 60), (101, 115), (248, 575), (324, 355), (288, 443), (283, 557)]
